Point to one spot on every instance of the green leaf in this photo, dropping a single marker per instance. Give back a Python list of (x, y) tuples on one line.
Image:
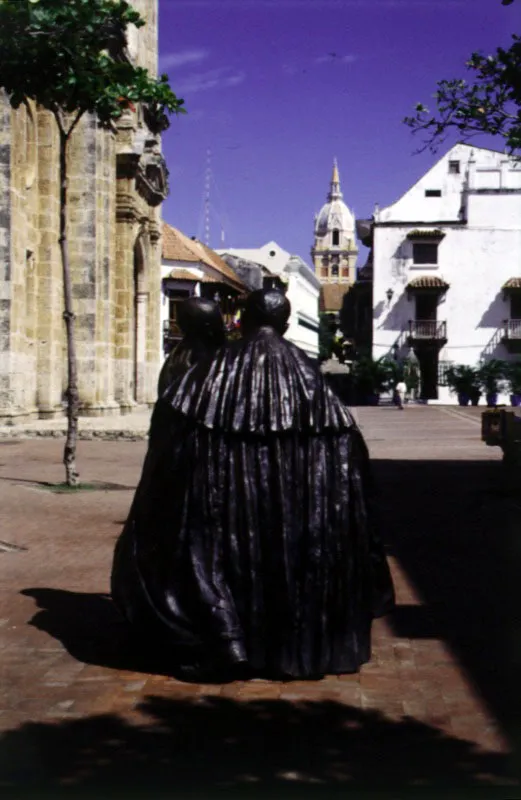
[(68, 55)]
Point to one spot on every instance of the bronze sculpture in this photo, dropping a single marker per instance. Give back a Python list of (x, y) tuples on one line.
[(203, 330), (254, 540)]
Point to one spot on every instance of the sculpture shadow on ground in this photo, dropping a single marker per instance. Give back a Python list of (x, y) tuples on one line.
[(213, 747), (92, 631), (454, 530)]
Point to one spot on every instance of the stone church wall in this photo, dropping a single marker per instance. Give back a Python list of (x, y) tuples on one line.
[(116, 184)]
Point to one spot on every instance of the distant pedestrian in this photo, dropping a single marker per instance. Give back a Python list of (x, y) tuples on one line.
[(400, 392)]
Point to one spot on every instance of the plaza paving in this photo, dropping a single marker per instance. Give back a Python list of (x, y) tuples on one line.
[(434, 714)]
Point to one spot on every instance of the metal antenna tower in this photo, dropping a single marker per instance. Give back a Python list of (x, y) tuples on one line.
[(207, 181)]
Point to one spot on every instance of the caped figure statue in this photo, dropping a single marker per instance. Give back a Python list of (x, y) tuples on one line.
[(203, 331), (251, 548)]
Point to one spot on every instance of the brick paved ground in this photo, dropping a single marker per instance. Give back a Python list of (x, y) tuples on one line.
[(82, 714)]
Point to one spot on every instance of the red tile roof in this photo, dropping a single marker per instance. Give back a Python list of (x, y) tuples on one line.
[(178, 247)]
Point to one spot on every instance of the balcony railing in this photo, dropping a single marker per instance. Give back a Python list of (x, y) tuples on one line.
[(512, 329), (427, 329)]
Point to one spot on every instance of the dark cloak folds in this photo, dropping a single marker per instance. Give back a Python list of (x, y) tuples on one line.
[(252, 539)]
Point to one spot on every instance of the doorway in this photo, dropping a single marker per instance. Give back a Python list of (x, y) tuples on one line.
[(428, 360), (426, 315)]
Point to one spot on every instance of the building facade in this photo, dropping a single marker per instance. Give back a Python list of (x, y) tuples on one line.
[(334, 250), (117, 181), (302, 289), (189, 268), (447, 267)]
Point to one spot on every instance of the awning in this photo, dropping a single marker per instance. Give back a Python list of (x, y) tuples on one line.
[(425, 233), (432, 282), (181, 275), (512, 284)]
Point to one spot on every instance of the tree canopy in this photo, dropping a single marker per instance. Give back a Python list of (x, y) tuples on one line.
[(488, 103), (69, 57)]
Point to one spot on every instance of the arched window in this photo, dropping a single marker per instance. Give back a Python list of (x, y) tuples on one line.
[(336, 238)]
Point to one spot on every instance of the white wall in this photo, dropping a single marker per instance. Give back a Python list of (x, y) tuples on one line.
[(303, 294), (475, 258)]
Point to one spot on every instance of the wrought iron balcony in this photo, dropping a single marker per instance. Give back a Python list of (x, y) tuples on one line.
[(512, 335), (427, 330), (512, 329)]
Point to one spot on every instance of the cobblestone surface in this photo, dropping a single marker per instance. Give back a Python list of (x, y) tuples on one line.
[(435, 713)]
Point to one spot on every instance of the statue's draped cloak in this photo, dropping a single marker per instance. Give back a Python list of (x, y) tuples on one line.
[(251, 538)]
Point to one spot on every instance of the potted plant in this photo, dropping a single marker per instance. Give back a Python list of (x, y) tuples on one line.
[(513, 377), (371, 379), (464, 381), (491, 375)]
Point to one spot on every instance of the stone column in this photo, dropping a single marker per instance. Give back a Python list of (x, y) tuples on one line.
[(5, 255), (83, 232), (141, 316), (154, 332), (130, 222), (124, 315), (50, 327)]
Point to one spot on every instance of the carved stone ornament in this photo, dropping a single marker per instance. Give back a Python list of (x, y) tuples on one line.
[(152, 174)]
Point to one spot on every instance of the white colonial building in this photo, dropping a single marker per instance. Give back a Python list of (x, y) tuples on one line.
[(447, 266), (302, 290)]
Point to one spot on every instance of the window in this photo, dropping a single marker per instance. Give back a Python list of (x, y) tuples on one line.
[(336, 238), (454, 167), (432, 192), (324, 272), (425, 253), (334, 270), (443, 366)]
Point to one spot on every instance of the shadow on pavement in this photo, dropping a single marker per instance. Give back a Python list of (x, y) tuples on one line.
[(454, 529), (218, 747), (93, 631)]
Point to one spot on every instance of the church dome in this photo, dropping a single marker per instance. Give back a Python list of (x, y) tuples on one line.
[(334, 214)]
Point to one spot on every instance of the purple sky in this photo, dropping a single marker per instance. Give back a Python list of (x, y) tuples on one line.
[(277, 88)]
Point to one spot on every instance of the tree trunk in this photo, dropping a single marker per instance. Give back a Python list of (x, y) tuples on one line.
[(73, 401)]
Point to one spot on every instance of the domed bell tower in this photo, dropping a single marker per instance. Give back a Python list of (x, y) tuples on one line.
[(334, 251)]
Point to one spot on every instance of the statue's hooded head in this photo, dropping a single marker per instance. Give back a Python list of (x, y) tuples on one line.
[(266, 308), (201, 319)]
